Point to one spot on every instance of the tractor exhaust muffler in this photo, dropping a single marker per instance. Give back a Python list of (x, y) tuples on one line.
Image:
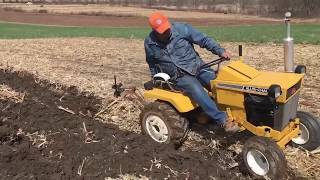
[(288, 46)]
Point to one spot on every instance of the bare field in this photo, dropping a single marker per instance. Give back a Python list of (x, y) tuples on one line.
[(124, 11), (90, 63), (121, 11), (114, 16)]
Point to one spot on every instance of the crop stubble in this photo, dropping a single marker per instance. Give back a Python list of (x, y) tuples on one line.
[(90, 63)]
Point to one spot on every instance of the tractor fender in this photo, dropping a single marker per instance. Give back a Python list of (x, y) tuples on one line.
[(177, 99)]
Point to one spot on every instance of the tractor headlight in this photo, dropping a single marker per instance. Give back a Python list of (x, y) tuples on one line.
[(274, 91), (300, 69)]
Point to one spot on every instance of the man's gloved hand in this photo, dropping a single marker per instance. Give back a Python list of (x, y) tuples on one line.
[(226, 55)]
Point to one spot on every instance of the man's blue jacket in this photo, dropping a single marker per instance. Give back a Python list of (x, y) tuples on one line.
[(179, 54)]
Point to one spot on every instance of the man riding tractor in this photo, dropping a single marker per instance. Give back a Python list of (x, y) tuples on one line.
[(261, 102), (170, 49)]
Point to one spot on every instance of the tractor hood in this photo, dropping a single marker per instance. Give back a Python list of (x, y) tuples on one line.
[(285, 80), (241, 77)]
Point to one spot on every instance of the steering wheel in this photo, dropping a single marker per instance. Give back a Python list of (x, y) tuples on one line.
[(214, 62)]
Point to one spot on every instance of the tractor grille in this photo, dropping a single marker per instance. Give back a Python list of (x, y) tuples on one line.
[(263, 112), (293, 89), (287, 112)]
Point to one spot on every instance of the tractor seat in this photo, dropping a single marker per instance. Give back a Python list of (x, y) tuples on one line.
[(161, 81)]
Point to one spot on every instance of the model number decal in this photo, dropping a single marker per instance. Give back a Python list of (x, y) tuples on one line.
[(251, 88), (243, 88)]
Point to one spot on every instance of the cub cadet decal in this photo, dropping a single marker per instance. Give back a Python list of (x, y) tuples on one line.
[(243, 88)]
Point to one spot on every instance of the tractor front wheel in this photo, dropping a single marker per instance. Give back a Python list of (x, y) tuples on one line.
[(263, 158), (309, 137), (162, 123)]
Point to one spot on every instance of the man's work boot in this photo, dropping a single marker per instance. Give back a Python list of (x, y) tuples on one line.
[(231, 127)]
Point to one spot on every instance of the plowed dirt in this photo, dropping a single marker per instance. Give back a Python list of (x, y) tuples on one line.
[(40, 141)]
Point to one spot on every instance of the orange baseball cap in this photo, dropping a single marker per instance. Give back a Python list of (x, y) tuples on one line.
[(159, 22)]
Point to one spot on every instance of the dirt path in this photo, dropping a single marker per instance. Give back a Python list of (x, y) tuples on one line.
[(111, 20)]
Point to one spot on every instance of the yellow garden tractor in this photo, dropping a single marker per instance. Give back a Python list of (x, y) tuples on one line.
[(263, 103)]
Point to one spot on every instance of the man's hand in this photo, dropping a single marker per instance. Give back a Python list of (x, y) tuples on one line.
[(226, 55)]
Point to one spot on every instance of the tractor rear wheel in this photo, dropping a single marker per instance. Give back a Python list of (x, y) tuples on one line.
[(163, 123), (309, 137), (263, 158)]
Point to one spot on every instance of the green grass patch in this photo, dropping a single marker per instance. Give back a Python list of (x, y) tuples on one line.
[(24, 31), (302, 33), (254, 33)]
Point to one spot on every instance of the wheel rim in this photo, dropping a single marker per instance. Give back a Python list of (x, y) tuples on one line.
[(258, 162), (303, 138), (157, 129)]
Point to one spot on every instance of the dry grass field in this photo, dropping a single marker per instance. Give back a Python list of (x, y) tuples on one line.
[(90, 63)]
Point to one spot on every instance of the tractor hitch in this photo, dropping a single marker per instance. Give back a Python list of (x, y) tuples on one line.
[(118, 89), (130, 93)]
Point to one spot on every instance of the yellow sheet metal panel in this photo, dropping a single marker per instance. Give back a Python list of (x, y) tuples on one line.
[(228, 74), (237, 71), (230, 98), (239, 114), (289, 132), (261, 83), (244, 69), (181, 102), (288, 137), (285, 80)]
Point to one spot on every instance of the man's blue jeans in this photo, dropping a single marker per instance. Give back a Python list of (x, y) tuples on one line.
[(192, 86)]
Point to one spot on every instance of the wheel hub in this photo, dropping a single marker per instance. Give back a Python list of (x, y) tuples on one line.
[(257, 162), (157, 129), (303, 138)]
